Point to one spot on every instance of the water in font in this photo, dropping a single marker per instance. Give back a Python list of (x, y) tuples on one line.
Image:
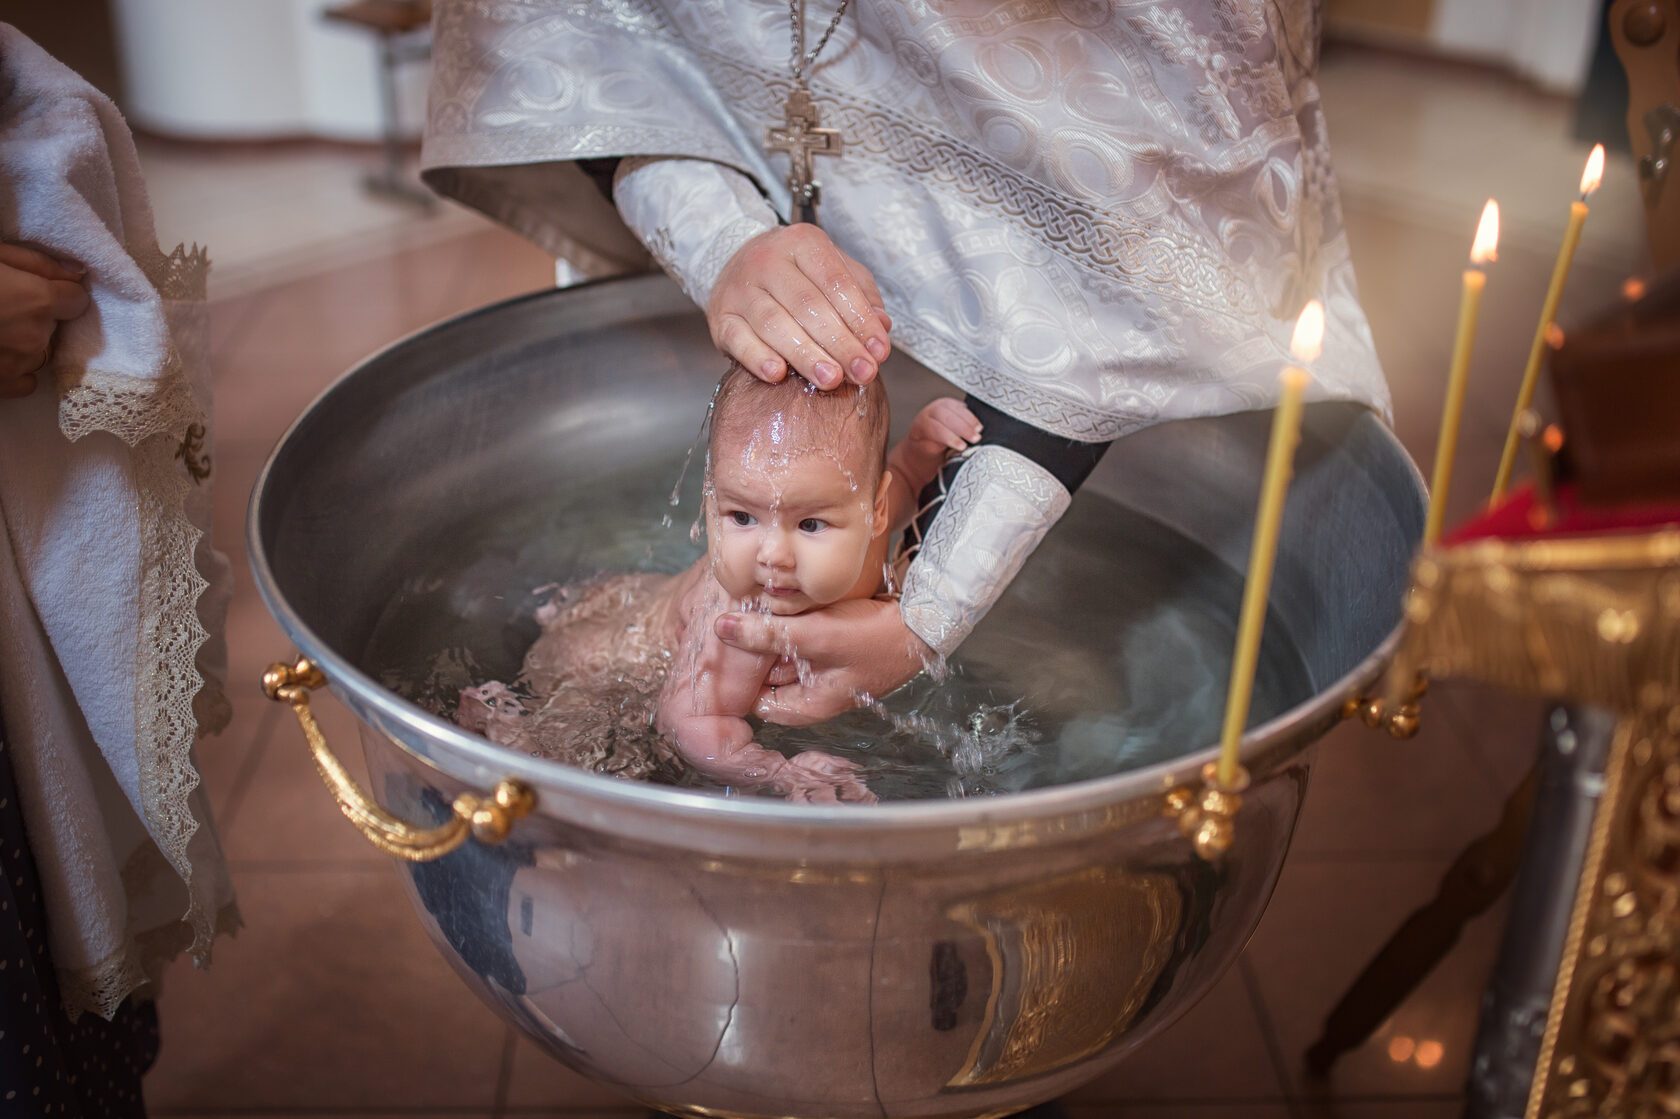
[(1109, 652)]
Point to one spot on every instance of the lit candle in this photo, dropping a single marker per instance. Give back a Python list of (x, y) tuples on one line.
[(1548, 311), (1286, 432), (1483, 249)]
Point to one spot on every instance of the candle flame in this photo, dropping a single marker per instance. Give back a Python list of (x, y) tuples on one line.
[(1308, 338), (1486, 245), (1594, 174), (1633, 289)]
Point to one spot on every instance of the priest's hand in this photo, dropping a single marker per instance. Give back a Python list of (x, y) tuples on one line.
[(36, 294), (847, 651), (790, 297)]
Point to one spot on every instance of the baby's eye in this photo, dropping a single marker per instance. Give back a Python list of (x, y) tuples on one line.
[(741, 518), (812, 524)]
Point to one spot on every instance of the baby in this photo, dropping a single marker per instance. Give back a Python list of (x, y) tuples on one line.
[(801, 501)]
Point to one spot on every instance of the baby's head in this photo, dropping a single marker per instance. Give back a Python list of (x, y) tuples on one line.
[(797, 489)]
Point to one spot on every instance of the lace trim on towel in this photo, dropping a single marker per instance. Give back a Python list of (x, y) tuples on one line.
[(100, 989), (131, 408), (182, 276), (135, 408), (171, 629), (135, 969), (156, 417)]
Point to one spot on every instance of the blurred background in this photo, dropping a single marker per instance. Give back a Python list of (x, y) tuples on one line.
[(265, 136)]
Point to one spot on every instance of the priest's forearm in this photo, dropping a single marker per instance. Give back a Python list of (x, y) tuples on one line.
[(980, 520), (693, 215)]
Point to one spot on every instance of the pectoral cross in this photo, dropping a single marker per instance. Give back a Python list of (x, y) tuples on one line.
[(800, 137)]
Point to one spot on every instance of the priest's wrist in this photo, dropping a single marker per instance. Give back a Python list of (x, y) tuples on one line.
[(980, 519), (692, 214)]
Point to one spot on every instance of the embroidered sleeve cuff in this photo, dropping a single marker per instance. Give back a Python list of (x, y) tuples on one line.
[(999, 507), (693, 215)]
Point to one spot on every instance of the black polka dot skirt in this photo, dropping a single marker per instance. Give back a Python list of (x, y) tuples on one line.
[(49, 1065)]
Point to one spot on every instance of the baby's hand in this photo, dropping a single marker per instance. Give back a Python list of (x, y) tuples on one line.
[(944, 425), (815, 777), (942, 428)]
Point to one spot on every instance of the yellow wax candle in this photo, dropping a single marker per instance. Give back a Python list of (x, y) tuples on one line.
[(1484, 249), (1548, 312), (1280, 456)]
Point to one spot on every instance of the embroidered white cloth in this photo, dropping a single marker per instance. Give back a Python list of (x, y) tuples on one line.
[(1000, 507), (1093, 216), (692, 215), (109, 588)]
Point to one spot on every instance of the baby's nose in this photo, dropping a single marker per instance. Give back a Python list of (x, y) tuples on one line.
[(773, 550)]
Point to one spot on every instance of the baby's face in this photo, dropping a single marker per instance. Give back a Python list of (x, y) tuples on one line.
[(790, 535)]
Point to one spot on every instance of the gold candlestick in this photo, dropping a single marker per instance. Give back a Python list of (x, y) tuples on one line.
[(1483, 249), (1286, 432), (1548, 312)]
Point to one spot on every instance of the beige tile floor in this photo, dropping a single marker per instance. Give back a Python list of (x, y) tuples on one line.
[(332, 1004)]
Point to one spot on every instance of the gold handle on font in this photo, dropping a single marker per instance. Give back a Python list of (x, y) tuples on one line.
[(487, 819), (1400, 720), (1207, 816)]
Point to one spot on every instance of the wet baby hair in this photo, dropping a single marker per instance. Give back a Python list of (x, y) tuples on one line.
[(851, 421)]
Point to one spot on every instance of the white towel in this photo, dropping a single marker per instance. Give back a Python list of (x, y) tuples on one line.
[(109, 588)]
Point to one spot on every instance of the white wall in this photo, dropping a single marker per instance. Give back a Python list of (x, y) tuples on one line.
[(1549, 41), (255, 69)]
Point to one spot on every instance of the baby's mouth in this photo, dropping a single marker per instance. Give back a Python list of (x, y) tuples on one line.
[(780, 592)]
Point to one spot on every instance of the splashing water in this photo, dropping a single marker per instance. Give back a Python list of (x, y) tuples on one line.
[(688, 456), (1109, 652)]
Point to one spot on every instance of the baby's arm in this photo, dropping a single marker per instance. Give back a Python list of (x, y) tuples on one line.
[(703, 706), (943, 427)]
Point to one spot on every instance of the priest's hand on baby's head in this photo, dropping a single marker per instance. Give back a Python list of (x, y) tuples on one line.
[(36, 294), (791, 298)]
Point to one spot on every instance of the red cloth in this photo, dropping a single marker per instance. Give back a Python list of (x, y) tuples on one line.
[(1519, 517)]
